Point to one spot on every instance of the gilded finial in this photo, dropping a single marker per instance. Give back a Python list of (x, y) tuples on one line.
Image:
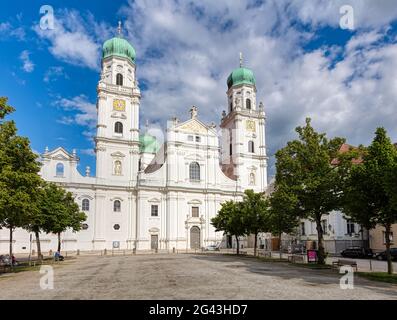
[(241, 59)]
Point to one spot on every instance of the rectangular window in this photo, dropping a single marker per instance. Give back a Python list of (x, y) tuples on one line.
[(195, 212), (155, 210), (350, 227), (384, 237), (190, 138), (198, 139), (303, 232)]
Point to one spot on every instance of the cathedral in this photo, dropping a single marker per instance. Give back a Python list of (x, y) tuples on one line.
[(148, 194)]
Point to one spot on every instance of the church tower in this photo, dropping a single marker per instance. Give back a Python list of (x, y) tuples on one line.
[(243, 133), (117, 139)]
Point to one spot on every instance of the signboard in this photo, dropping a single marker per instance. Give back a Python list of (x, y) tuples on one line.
[(311, 256)]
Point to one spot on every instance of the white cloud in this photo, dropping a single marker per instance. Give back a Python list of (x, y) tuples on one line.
[(53, 73), (28, 65), (367, 13), (185, 53), (75, 39), (7, 31), (84, 112), (88, 152)]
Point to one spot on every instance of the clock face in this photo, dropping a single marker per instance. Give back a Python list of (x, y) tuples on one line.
[(250, 125), (118, 105)]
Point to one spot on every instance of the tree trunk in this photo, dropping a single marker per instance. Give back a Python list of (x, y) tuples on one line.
[(388, 255), (320, 236), (255, 243), (279, 245), (39, 255), (59, 242), (11, 231), (238, 245)]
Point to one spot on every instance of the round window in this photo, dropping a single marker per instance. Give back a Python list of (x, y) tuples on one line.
[(84, 226), (116, 227)]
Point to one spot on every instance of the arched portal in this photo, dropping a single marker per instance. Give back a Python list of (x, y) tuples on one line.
[(195, 238)]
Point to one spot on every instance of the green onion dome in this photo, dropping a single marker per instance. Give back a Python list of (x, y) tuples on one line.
[(119, 47), (240, 76), (148, 144)]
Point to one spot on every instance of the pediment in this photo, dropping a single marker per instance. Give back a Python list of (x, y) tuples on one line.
[(59, 157), (193, 126), (59, 154)]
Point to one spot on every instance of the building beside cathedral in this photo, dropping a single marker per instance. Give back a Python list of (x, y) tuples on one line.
[(147, 195)]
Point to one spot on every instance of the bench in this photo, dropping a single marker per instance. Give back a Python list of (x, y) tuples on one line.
[(243, 252), (295, 258), (343, 262)]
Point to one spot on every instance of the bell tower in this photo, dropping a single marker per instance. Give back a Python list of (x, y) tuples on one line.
[(243, 133), (117, 139)]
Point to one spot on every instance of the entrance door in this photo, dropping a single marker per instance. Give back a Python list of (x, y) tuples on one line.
[(195, 238), (154, 242)]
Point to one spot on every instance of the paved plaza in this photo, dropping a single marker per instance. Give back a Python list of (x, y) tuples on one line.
[(187, 276)]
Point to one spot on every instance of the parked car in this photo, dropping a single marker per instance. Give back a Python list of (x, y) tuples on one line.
[(382, 255), (211, 247), (357, 252)]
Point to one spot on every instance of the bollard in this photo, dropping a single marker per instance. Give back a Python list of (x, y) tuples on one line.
[(173, 250), (155, 250), (78, 252), (105, 252), (134, 251)]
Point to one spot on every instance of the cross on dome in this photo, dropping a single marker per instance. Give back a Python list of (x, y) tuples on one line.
[(119, 29)]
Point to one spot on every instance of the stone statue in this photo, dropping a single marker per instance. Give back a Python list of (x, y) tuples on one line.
[(117, 168), (193, 112), (252, 179)]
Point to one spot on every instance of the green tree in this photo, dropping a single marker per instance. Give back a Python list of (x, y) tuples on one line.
[(283, 217), (255, 208), (19, 177), (304, 165), (61, 212), (370, 193), (230, 220)]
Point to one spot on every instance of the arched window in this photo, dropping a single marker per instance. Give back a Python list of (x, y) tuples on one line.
[(117, 168), (85, 205), (119, 79), (118, 127), (60, 170), (248, 104), (251, 147), (117, 206), (194, 171)]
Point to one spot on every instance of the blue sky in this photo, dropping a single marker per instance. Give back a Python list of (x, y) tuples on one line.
[(304, 63)]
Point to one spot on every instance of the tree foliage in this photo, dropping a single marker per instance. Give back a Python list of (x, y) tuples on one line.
[(59, 211), (255, 209), (304, 167), (370, 193), (19, 177), (230, 220)]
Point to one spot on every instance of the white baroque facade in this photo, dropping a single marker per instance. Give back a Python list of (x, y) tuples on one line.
[(145, 195)]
